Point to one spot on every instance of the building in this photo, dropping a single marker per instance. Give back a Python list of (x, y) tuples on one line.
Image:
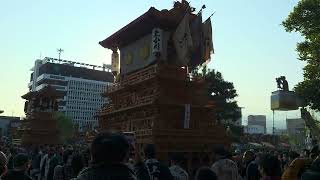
[(258, 120), (295, 126), (254, 129), (82, 85), (7, 123), (296, 130)]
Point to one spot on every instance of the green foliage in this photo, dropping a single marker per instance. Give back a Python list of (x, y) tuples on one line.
[(221, 92), (284, 138), (236, 132), (65, 126), (305, 19)]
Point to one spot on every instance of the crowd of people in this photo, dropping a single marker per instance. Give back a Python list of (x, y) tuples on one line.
[(112, 157)]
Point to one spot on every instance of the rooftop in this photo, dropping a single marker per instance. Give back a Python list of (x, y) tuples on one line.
[(47, 91), (73, 71), (164, 19)]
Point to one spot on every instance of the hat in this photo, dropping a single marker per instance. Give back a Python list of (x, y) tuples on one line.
[(3, 159), (20, 160)]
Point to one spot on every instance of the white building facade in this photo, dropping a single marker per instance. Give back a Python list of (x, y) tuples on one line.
[(81, 83), (297, 130), (254, 129), (295, 126), (260, 120)]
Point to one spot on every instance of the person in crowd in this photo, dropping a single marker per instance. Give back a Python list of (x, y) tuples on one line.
[(77, 164), (252, 170), (108, 152), (315, 147), (292, 156), (151, 168), (13, 153), (284, 162), (205, 173), (176, 167), (21, 164), (43, 162), (225, 168), (48, 163), (3, 164), (59, 154), (35, 163), (85, 154), (269, 166), (314, 172), (64, 172), (306, 153), (296, 167)]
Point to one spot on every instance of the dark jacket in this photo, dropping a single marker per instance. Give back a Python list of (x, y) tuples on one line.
[(107, 172), (16, 175), (152, 169)]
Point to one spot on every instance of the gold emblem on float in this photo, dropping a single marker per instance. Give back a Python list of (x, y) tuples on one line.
[(144, 51), (128, 58)]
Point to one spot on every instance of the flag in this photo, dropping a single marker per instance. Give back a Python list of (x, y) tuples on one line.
[(182, 41), (197, 36), (207, 40), (196, 30)]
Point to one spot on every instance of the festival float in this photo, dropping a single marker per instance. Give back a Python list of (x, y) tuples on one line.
[(154, 94), (40, 126)]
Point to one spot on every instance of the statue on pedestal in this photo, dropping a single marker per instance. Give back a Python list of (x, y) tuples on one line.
[(282, 83)]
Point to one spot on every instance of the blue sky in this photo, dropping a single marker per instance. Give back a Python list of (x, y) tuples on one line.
[(251, 46)]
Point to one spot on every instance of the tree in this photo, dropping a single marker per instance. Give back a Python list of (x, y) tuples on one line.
[(305, 19), (221, 92), (65, 126)]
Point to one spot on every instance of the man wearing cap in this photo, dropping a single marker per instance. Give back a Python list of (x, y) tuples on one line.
[(21, 164)]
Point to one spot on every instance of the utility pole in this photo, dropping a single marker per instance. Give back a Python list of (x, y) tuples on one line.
[(60, 51), (273, 135)]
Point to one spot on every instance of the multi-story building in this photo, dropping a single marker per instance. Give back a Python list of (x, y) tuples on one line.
[(258, 120), (81, 83), (296, 130), (295, 126)]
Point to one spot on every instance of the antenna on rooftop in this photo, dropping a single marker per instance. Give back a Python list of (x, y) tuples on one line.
[(60, 51)]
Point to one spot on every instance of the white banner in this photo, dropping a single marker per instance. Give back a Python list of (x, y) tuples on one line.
[(115, 62), (156, 41)]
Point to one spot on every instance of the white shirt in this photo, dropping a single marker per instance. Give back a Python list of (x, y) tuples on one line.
[(178, 173)]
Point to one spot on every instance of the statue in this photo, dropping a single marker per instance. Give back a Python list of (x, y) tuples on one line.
[(282, 83)]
